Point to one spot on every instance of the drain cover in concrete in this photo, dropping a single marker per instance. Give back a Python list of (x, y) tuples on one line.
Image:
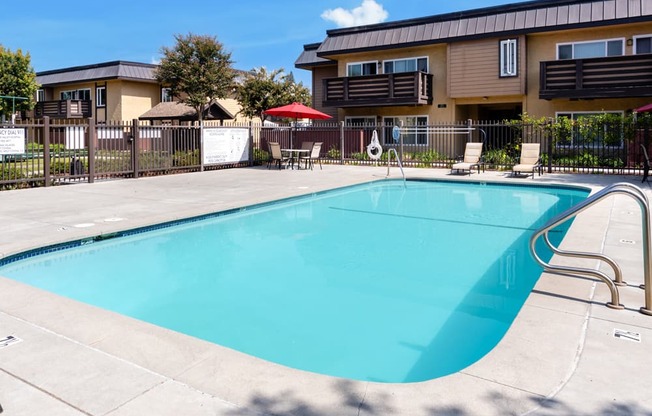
[(9, 340), (627, 335)]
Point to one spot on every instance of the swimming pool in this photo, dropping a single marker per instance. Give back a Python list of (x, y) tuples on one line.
[(373, 282)]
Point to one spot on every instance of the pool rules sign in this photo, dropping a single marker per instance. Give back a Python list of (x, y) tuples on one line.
[(12, 141), (225, 145)]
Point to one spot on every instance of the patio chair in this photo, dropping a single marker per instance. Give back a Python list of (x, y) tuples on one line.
[(276, 156), (530, 160), (304, 146), (472, 159), (314, 155)]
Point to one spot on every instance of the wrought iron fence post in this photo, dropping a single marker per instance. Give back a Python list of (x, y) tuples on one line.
[(92, 135), (134, 146), (46, 149), (550, 148), (251, 143), (341, 142)]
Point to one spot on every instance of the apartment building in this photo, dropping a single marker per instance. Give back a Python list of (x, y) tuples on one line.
[(547, 58)]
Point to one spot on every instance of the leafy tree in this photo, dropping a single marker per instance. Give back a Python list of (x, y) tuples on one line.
[(261, 90), (197, 70), (17, 79)]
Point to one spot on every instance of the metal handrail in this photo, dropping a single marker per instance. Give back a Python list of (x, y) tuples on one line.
[(398, 160), (617, 188)]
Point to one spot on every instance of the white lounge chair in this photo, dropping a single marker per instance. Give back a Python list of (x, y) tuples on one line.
[(472, 155), (530, 160)]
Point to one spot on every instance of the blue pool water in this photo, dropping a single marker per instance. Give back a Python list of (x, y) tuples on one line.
[(374, 282)]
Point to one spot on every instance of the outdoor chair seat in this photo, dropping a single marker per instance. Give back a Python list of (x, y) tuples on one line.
[(276, 155), (529, 161), (472, 159), (313, 155)]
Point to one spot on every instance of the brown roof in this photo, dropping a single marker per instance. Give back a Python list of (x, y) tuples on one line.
[(510, 19), (174, 110)]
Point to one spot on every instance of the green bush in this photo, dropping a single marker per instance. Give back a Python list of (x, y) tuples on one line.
[(260, 156), (9, 173), (188, 158), (498, 157), (333, 153)]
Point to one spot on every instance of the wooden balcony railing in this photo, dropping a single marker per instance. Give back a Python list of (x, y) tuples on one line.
[(611, 77), (405, 88), (63, 109)]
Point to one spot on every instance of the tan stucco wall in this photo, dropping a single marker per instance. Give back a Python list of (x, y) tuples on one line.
[(137, 98)]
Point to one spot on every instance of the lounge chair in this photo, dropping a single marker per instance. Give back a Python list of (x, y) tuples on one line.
[(314, 155), (472, 156), (529, 161), (276, 155)]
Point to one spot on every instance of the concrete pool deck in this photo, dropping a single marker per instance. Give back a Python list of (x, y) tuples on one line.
[(560, 357)]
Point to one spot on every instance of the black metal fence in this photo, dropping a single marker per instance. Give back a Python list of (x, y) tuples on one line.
[(63, 151)]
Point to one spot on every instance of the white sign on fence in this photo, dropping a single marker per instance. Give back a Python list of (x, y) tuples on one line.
[(12, 141), (225, 145)]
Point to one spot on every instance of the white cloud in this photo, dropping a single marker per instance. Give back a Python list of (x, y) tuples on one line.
[(369, 12)]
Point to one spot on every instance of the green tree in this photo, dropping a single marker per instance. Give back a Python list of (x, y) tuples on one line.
[(261, 90), (197, 70), (17, 79)]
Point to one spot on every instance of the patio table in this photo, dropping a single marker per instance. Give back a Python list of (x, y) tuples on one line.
[(295, 154)]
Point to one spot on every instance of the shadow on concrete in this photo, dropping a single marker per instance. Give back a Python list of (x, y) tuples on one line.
[(287, 404)]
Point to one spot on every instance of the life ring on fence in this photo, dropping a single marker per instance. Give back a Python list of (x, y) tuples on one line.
[(374, 151)]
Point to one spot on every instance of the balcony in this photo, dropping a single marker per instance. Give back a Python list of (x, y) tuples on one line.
[(611, 77), (405, 88), (63, 109)]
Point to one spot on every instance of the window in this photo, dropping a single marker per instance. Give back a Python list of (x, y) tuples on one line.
[(593, 49), (100, 96), (166, 95), (40, 95), (361, 121), (593, 129), (361, 68), (406, 65), (83, 94), (413, 131), (642, 44), (508, 58)]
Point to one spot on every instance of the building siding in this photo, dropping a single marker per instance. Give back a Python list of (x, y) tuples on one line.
[(474, 70)]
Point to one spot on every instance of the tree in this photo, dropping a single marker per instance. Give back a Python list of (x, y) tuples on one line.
[(262, 90), (197, 70), (17, 79)]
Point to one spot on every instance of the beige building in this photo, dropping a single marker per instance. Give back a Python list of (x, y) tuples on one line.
[(114, 91), (545, 58)]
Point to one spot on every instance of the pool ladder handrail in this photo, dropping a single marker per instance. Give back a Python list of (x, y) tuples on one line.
[(398, 160), (617, 188)]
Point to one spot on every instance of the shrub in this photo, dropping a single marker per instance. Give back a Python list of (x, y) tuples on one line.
[(333, 153), (186, 158), (260, 156)]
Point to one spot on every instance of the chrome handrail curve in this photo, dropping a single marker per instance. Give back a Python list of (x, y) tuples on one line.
[(398, 160), (620, 188)]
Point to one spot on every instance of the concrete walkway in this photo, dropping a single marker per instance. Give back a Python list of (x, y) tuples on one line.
[(560, 357)]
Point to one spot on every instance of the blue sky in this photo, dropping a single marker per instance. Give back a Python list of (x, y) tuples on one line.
[(267, 34)]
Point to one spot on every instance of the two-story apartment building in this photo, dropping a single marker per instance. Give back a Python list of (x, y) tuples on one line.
[(108, 91), (545, 57), (113, 92)]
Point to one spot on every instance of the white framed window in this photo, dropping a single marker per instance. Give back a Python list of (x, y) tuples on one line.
[(81, 94), (166, 95), (40, 95), (356, 69), (508, 58), (608, 135), (414, 129), (591, 49), (100, 96), (642, 44), (360, 121), (406, 65)]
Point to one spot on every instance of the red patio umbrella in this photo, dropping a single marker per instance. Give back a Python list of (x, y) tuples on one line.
[(296, 111), (644, 109)]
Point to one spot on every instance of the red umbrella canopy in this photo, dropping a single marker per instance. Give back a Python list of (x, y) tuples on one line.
[(296, 110), (645, 108)]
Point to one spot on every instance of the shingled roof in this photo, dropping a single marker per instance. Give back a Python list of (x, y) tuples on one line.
[(506, 20), (177, 111), (98, 72)]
